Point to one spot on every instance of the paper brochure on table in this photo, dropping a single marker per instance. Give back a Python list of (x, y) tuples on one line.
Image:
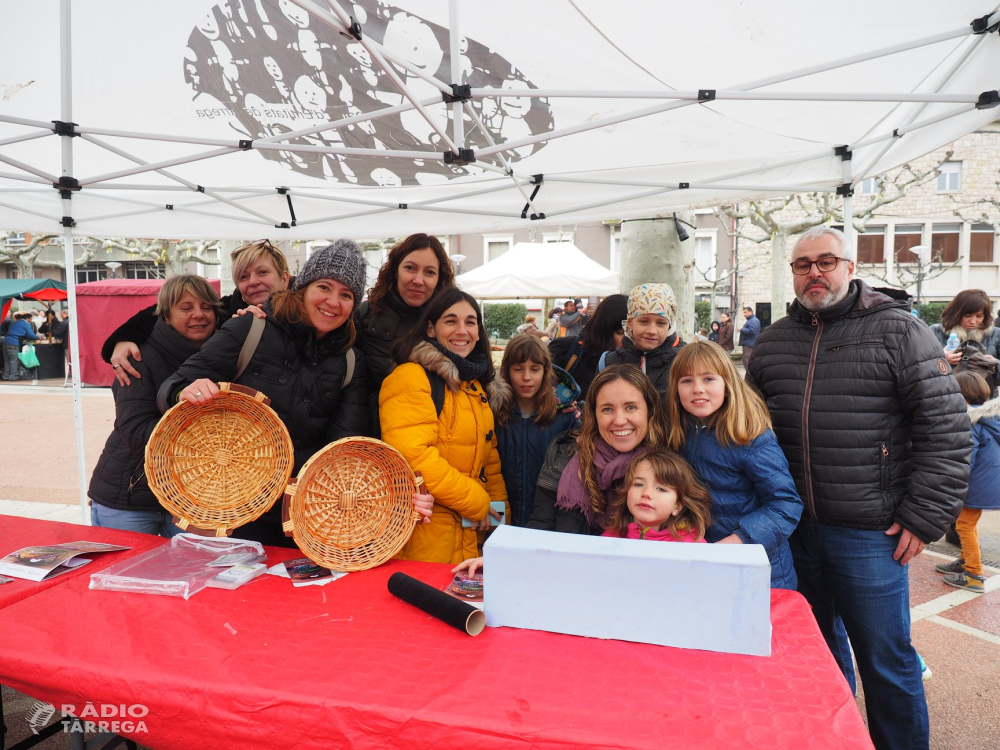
[(714, 597), (48, 561)]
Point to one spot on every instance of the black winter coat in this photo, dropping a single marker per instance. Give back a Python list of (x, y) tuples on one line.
[(867, 413), (378, 334), (139, 327), (302, 377), (584, 368), (136, 414)]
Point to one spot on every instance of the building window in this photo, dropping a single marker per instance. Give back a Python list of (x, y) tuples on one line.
[(495, 245), (137, 269), (704, 254), (871, 245), (868, 187), (92, 272), (444, 243), (210, 271), (549, 237), (16, 239), (907, 236), (950, 179), (981, 244), (945, 241)]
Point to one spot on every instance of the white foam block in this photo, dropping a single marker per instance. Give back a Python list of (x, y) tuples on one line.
[(714, 597)]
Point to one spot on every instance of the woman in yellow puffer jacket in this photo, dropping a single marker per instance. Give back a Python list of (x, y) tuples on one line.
[(455, 450)]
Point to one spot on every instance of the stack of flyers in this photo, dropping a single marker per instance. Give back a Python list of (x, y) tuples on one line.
[(304, 572)]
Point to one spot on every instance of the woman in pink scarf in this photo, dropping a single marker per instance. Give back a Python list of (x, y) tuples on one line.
[(623, 418)]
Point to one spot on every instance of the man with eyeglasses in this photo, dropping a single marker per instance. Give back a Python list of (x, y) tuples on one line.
[(878, 441)]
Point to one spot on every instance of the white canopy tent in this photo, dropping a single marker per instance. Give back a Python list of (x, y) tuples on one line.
[(535, 270), (319, 118)]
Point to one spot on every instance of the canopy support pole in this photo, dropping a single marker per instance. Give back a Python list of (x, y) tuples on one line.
[(847, 190), (455, 53), (66, 113)]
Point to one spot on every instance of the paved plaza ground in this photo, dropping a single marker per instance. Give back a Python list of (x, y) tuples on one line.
[(957, 633)]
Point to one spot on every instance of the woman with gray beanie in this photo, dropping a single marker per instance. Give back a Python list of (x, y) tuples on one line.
[(304, 362)]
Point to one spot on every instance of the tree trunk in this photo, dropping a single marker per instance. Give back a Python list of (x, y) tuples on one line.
[(779, 275), (25, 265), (652, 252)]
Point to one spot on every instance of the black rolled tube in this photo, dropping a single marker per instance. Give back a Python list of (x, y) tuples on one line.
[(458, 614)]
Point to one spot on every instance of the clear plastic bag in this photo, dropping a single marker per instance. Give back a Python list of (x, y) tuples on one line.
[(178, 569)]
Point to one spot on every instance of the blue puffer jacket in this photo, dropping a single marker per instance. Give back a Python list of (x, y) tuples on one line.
[(753, 495), (522, 445), (984, 470)]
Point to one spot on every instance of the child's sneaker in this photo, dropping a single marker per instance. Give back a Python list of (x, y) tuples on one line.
[(925, 671), (967, 581), (955, 566)]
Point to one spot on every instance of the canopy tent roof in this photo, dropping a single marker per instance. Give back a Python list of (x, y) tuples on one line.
[(43, 290), (535, 270), (236, 119)]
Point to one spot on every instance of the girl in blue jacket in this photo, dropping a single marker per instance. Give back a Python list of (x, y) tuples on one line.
[(528, 419), (723, 429), (984, 481)]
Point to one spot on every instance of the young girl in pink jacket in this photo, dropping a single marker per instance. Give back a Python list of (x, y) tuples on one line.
[(661, 500)]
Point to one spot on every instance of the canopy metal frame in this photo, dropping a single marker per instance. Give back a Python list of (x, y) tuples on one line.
[(527, 200)]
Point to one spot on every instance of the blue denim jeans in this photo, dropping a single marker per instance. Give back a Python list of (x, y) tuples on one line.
[(150, 521), (858, 591)]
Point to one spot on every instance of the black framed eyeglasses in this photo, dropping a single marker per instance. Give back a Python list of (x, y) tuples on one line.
[(825, 264)]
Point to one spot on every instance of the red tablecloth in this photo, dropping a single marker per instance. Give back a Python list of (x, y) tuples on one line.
[(349, 665), (17, 533)]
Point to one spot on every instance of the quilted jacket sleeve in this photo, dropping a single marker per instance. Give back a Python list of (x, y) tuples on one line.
[(940, 435), (410, 424), (215, 360), (775, 520)]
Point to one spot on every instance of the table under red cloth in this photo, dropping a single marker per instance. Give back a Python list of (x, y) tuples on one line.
[(349, 665), (17, 533)]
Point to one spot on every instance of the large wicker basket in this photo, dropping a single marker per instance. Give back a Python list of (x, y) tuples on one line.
[(218, 466), (351, 506)]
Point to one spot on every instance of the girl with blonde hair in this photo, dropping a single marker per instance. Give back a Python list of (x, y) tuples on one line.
[(722, 428)]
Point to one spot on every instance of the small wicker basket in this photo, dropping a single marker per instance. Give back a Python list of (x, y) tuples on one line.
[(221, 465), (351, 506)]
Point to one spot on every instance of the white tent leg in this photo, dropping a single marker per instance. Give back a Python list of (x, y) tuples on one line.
[(849, 209), (66, 112)]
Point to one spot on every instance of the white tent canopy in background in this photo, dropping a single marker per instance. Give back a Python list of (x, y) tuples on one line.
[(535, 270), (248, 118), (305, 119)]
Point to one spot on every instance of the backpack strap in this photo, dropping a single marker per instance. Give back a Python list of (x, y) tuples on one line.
[(249, 346), (573, 357), (437, 390), (351, 357)]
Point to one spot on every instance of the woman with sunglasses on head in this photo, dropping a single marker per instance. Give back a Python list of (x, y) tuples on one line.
[(302, 363), (259, 269), (416, 270)]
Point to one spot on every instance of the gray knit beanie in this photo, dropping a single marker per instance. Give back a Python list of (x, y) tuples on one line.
[(342, 261)]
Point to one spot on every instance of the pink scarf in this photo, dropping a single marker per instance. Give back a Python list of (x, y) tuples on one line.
[(611, 466)]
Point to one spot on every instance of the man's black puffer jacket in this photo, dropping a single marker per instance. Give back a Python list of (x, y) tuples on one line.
[(867, 412), (302, 377)]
